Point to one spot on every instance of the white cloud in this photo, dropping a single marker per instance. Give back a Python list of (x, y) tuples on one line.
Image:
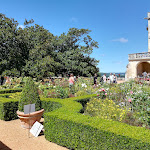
[(122, 40), (75, 20), (21, 26)]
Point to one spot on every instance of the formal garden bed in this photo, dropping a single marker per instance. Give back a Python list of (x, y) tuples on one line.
[(106, 117)]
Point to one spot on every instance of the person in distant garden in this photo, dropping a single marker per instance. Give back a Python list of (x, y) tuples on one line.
[(2, 80), (104, 78), (95, 80), (75, 78), (101, 80), (148, 76), (71, 83), (144, 75), (111, 78), (115, 79), (51, 80), (71, 80), (108, 80), (8, 80)]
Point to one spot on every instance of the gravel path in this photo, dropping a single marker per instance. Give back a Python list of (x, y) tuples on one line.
[(14, 137)]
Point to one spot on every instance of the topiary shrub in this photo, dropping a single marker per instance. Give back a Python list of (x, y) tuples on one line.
[(29, 95)]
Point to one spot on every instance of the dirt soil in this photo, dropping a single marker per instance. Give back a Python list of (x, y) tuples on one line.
[(14, 137)]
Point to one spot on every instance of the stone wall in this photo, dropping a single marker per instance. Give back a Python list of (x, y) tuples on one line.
[(136, 68)]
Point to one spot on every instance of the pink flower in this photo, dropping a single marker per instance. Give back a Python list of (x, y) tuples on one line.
[(105, 93), (100, 90), (103, 89), (97, 95), (129, 100), (131, 92)]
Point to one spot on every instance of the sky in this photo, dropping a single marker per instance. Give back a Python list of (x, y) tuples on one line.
[(117, 25)]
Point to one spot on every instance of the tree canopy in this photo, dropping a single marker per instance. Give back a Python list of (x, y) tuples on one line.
[(34, 51)]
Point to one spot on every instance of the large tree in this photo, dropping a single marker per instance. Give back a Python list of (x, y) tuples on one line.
[(73, 52), (40, 62), (34, 51)]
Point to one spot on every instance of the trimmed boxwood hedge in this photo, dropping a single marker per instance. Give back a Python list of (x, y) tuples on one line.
[(8, 108), (10, 90), (50, 104), (67, 127)]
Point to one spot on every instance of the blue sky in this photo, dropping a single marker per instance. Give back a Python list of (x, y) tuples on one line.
[(117, 25)]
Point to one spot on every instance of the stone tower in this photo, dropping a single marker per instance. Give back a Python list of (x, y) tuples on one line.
[(139, 62)]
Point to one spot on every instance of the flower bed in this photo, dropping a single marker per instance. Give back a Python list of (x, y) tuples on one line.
[(65, 126)]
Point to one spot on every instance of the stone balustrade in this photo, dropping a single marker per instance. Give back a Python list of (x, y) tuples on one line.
[(139, 56)]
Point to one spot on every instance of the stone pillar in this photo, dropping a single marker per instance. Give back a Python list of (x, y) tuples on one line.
[(148, 31), (148, 18)]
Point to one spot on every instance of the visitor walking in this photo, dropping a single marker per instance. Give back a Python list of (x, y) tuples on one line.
[(104, 78), (71, 80), (71, 83), (8, 80), (144, 75), (101, 80), (2, 80), (111, 78), (95, 80), (115, 79)]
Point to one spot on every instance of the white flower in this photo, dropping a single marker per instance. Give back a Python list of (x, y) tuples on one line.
[(83, 85), (122, 104)]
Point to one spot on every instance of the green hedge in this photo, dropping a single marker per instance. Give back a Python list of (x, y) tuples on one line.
[(8, 108), (67, 127), (10, 90), (5, 95), (49, 105)]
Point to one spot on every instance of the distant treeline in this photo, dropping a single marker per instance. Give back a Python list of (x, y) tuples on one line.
[(122, 75)]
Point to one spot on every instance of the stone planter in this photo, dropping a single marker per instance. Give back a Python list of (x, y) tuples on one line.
[(27, 120)]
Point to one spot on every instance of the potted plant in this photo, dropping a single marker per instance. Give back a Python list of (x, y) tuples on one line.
[(29, 95)]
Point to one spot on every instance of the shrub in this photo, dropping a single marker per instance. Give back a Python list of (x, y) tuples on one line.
[(8, 108), (61, 92), (29, 95), (10, 90), (105, 108), (67, 127)]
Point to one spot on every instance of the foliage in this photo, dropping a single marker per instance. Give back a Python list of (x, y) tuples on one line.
[(65, 126), (8, 108), (10, 90), (29, 95), (106, 109), (49, 106), (130, 95), (102, 93), (15, 95), (40, 54), (61, 92)]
